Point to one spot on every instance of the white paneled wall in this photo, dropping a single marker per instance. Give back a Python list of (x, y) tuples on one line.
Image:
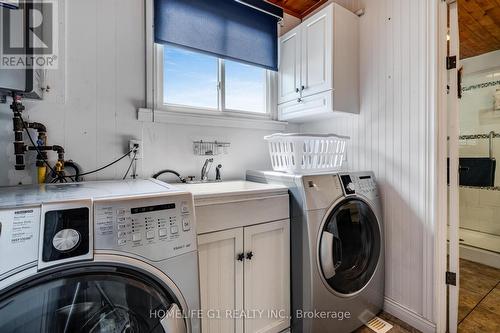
[(95, 94), (391, 137)]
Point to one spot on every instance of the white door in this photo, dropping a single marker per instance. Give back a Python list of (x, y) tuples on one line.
[(317, 56), (453, 133), (289, 66), (267, 276), (221, 280)]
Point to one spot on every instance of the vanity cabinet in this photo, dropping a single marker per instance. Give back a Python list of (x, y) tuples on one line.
[(221, 280), (242, 270), (266, 274), (319, 64), (244, 256)]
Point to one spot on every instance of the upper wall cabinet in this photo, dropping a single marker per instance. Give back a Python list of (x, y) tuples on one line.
[(289, 66), (319, 66), (316, 50)]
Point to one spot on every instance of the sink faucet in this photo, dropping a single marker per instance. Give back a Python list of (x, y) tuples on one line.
[(217, 173), (206, 168)]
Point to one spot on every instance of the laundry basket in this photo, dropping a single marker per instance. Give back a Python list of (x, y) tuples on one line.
[(307, 153)]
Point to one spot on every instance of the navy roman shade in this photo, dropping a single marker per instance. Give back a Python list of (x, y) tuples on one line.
[(227, 29)]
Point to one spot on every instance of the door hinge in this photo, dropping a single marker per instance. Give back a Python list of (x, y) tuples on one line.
[(451, 62), (451, 278)]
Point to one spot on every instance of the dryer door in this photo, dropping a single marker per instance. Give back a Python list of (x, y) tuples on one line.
[(91, 299), (350, 246)]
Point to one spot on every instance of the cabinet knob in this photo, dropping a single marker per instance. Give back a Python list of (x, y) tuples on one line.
[(303, 87), (249, 255), (241, 257), (297, 90)]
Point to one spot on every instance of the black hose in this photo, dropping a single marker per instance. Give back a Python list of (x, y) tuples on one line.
[(159, 173), (75, 167)]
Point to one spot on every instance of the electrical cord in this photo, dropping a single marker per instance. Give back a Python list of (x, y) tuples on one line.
[(104, 167), (130, 165)]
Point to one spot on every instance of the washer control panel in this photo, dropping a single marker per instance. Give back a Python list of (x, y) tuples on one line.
[(360, 183), (156, 228)]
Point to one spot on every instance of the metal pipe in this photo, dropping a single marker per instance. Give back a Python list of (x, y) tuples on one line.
[(19, 146), (37, 126)]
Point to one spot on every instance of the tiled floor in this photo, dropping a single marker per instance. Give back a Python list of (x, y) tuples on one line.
[(479, 304), (399, 326)]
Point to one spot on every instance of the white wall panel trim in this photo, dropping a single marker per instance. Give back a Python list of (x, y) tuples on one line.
[(431, 54), (197, 119), (408, 316), (441, 205)]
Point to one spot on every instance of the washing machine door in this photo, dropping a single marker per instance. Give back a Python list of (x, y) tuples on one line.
[(350, 246), (91, 299)]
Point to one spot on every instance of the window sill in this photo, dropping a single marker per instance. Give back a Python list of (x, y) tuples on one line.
[(198, 119)]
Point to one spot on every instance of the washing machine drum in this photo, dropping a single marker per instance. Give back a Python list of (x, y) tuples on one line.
[(350, 246), (92, 300)]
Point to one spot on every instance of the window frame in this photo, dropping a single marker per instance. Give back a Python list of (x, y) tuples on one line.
[(221, 111)]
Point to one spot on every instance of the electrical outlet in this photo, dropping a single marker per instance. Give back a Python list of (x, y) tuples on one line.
[(131, 145)]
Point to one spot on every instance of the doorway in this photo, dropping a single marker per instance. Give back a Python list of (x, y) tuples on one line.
[(473, 177)]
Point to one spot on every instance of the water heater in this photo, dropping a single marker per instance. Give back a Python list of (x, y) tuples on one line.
[(24, 81)]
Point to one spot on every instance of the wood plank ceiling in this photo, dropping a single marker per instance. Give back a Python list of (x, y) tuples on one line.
[(479, 24), (298, 8)]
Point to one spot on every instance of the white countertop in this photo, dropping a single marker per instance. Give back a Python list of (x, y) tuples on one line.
[(231, 188), (234, 204)]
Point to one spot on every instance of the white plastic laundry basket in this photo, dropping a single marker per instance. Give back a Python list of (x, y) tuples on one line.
[(307, 153)]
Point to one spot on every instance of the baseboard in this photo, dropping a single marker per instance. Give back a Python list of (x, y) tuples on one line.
[(408, 316), (479, 255)]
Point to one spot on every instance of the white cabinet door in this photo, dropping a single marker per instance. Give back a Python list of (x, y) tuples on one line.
[(289, 66), (221, 280), (267, 276), (317, 56)]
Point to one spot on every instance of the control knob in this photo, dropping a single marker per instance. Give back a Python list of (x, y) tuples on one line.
[(351, 187), (66, 240)]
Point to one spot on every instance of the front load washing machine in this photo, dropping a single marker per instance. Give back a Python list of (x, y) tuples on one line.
[(98, 257), (337, 249)]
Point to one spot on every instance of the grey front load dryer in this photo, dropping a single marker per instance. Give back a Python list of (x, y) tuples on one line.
[(337, 249)]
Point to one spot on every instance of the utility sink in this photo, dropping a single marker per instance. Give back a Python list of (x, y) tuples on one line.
[(226, 188), (233, 204), (190, 182)]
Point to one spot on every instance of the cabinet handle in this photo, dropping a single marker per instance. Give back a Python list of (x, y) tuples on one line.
[(297, 90), (241, 257), (249, 255), (303, 87)]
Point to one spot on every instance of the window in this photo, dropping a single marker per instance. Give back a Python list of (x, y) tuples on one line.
[(190, 78), (245, 87), (197, 81)]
